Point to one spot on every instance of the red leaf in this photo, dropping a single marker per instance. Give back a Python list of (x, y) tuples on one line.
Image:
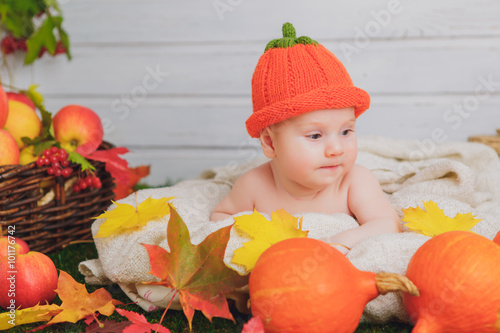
[(135, 174), (89, 319), (115, 165), (198, 272), (140, 323), (109, 326), (254, 325)]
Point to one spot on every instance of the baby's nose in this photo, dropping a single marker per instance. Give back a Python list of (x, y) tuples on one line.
[(334, 147)]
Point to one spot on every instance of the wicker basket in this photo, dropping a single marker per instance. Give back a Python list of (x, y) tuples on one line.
[(44, 210), (490, 140)]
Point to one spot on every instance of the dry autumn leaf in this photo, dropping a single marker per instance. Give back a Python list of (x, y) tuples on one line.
[(432, 221), (264, 233), (139, 323), (126, 217), (29, 315), (114, 164), (196, 272), (109, 326), (77, 303), (134, 176)]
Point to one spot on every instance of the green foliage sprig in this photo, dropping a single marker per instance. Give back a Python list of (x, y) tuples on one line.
[(33, 26)]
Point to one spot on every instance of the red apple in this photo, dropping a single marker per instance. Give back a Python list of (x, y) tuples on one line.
[(21, 98), (4, 107), (9, 152), (12, 245), (23, 119), (26, 280), (77, 126)]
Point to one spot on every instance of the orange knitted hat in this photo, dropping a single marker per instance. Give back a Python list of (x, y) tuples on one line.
[(298, 75)]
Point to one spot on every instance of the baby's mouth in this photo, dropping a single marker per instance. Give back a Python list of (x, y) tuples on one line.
[(329, 167)]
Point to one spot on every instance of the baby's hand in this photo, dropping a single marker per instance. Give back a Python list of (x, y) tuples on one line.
[(342, 248)]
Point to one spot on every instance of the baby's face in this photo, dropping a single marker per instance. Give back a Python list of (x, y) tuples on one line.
[(316, 148)]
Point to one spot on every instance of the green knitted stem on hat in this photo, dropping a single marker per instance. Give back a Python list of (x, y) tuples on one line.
[(289, 39)]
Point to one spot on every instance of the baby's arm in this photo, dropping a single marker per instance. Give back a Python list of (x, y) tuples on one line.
[(238, 200), (371, 208)]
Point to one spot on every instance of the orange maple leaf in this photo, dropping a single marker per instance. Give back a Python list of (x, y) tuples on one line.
[(196, 272), (77, 303)]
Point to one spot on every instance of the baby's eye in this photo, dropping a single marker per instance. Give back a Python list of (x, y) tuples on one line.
[(314, 136), (345, 132)]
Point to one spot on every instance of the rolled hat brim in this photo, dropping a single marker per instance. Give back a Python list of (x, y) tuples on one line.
[(326, 97)]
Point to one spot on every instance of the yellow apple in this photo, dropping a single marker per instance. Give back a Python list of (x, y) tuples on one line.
[(9, 154), (20, 98), (75, 127), (4, 107), (22, 120), (27, 155)]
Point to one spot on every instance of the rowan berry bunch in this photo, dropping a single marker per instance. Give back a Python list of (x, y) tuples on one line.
[(88, 181), (57, 160)]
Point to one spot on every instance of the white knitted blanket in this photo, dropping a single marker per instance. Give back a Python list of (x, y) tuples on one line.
[(460, 177)]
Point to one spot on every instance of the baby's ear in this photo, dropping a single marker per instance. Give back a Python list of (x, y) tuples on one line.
[(266, 141)]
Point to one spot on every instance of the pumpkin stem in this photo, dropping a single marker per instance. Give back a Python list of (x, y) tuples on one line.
[(289, 39), (387, 282)]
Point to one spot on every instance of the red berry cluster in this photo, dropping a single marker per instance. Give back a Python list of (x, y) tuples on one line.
[(87, 182), (10, 44), (58, 161)]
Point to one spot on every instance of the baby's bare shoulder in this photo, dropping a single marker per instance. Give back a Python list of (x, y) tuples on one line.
[(359, 174), (255, 177)]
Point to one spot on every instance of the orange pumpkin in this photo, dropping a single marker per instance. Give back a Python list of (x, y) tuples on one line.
[(305, 285), (458, 276)]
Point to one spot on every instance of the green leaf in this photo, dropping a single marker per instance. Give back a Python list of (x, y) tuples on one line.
[(41, 146), (37, 98), (27, 140), (17, 16), (34, 95), (65, 41), (44, 36), (82, 161), (28, 8), (51, 3), (21, 19)]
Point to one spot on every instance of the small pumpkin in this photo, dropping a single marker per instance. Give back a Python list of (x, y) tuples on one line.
[(305, 285), (458, 276)]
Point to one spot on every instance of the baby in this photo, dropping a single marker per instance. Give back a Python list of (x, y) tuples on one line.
[(305, 110)]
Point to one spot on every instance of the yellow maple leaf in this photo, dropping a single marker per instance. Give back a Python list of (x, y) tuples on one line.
[(432, 221), (126, 217), (264, 233), (27, 316)]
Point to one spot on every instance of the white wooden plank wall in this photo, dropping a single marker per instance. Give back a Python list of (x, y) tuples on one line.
[(171, 78)]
